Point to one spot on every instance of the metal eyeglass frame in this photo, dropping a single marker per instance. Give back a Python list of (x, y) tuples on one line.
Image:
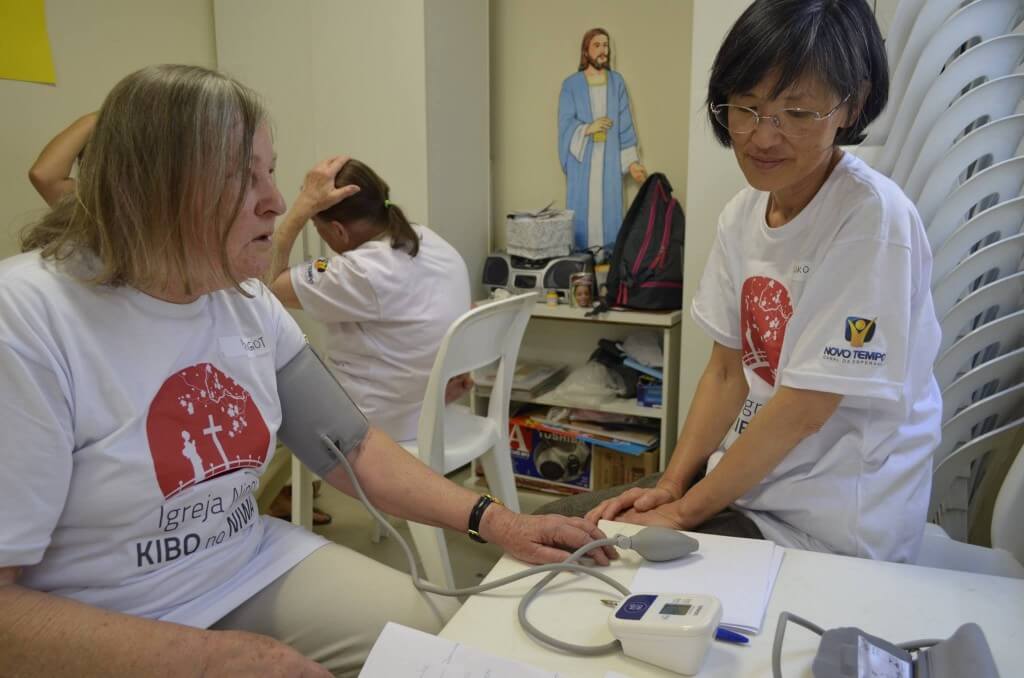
[(776, 122)]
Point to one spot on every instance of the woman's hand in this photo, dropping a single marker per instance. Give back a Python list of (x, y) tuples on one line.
[(239, 653), (318, 189), (661, 516), (542, 539), (638, 499), (457, 387)]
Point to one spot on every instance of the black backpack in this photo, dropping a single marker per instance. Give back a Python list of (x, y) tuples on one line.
[(646, 271)]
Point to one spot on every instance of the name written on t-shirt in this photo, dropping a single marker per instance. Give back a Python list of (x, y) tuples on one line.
[(192, 515)]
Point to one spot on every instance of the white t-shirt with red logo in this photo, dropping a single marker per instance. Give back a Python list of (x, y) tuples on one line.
[(386, 313), (135, 432), (836, 300)]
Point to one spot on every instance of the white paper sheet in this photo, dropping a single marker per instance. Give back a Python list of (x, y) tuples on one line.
[(739, 572), (402, 652)]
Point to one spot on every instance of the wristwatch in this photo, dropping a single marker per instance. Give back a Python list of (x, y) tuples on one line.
[(477, 513)]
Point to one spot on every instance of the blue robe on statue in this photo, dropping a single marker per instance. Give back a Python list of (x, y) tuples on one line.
[(573, 111)]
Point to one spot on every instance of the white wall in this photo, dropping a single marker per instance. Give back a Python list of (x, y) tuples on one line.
[(712, 177), (459, 127), (400, 84), (94, 43)]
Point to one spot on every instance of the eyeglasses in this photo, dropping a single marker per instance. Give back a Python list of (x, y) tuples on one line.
[(791, 122)]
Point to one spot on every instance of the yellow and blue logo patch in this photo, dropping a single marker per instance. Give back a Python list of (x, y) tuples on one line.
[(859, 331), (320, 264)]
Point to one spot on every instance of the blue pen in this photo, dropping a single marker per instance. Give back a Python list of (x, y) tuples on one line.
[(727, 636)]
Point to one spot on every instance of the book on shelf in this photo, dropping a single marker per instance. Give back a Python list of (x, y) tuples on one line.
[(621, 440), (529, 379)]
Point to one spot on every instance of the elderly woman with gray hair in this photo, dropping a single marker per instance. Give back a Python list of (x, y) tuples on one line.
[(138, 385)]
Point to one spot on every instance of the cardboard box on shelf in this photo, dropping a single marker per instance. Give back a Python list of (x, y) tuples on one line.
[(547, 459), (610, 468)]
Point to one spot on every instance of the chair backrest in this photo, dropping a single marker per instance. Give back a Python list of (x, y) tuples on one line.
[(1001, 221), (1003, 180), (928, 18), (987, 265), (1008, 513), (988, 342), (994, 100), (984, 305), (992, 143), (989, 60), (488, 333), (984, 380), (979, 418), (903, 20), (956, 467)]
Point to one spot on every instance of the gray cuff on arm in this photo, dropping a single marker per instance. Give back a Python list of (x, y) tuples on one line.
[(314, 404)]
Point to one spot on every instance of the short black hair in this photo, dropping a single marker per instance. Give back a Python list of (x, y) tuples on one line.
[(834, 41)]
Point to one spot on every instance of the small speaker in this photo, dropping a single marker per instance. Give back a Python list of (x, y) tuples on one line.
[(496, 270), (520, 274)]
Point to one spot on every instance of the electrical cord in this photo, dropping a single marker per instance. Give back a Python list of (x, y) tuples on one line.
[(651, 543)]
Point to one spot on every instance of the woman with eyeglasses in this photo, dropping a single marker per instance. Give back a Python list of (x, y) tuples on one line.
[(815, 419)]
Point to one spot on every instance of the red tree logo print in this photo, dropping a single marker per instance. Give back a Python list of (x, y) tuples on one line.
[(765, 310), (202, 424)]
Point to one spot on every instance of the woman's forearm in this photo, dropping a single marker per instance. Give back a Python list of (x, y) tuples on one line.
[(285, 234), (399, 484), (720, 394), (786, 419), (51, 172), (46, 635)]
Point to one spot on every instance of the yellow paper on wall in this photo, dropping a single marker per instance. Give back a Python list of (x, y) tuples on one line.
[(24, 43)]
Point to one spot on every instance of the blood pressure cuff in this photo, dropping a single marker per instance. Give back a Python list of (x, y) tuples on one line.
[(314, 404), (851, 653)]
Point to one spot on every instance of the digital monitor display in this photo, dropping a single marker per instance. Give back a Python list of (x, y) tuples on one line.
[(673, 608)]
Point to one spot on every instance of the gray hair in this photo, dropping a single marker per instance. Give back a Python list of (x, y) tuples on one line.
[(161, 180)]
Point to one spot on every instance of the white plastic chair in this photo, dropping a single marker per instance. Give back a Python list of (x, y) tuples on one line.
[(926, 21), (1001, 221), (989, 264), (989, 60), (980, 20), (907, 12), (1006, 556), (1008, 513), (978, 419), (984, 305), (1003, 180), (451, 437), (986, 379), (994, 142), (988, 342), (996, 99), (974, 421)]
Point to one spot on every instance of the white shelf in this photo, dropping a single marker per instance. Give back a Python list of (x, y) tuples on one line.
[(617, 405), (649, 318)]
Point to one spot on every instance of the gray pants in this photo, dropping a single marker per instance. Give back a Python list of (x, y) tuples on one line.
[(729, 522), (332, 606)]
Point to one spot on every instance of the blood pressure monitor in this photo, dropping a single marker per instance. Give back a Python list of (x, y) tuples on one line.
[(670, 630)]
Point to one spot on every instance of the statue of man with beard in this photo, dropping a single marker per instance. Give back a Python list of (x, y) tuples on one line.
[(597, 143)]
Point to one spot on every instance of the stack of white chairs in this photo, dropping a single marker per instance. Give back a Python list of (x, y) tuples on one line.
[(953, 138)]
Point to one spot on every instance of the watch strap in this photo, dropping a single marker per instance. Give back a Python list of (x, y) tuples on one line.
[(477, 514)]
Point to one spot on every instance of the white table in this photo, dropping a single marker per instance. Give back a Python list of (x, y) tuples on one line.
[(896, 602)]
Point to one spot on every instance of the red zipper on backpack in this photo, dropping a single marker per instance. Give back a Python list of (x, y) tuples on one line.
[(650, 232), (661, 259)]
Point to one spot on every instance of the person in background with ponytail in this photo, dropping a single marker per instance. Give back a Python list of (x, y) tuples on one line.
[(386, 297)]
